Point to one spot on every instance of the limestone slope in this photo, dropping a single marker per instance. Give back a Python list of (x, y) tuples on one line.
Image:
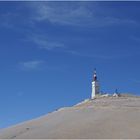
[(108, 117)]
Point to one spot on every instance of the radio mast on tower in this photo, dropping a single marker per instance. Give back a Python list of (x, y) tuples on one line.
[(95, 85)]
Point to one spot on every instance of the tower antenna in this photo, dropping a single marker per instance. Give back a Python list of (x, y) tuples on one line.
[(95, 85)]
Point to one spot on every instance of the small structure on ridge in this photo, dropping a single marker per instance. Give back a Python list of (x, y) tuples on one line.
[(95, 86)]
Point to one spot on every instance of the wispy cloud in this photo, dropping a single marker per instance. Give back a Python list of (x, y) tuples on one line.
[(62, 15), (7, 19), (77, 14), (48, 45), (43, 43), (135, 38), (85, 14), (31, 65), (97, 56)]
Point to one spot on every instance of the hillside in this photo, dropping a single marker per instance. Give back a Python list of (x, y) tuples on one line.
[(103, 117)]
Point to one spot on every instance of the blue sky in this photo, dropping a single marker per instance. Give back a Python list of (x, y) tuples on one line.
[(48, 51)]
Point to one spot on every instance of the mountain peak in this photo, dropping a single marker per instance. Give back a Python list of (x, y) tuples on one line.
[(102, 117)]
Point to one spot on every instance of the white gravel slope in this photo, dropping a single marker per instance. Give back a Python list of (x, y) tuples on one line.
[(108, 117)]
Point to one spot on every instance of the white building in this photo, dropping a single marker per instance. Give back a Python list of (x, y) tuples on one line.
[(95, 86)]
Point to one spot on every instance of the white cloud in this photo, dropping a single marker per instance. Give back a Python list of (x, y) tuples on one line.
[(63, 15), (76, 14), (43, 43), (98, 56), (31, 65), (82, 14)]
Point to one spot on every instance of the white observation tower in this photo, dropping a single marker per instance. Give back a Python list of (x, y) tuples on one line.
[(95, 86)]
